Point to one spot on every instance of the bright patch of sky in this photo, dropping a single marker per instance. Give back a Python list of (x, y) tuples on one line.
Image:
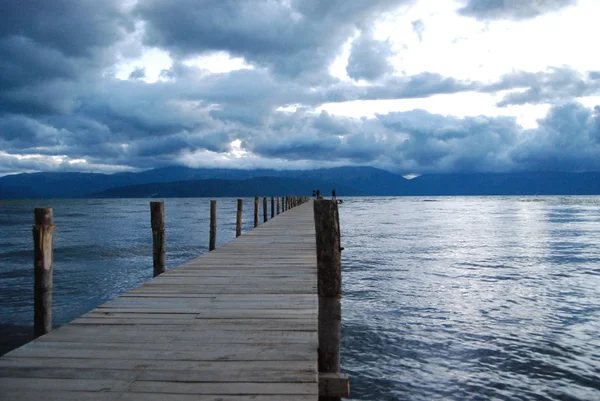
[(449, 44), (467, 49)]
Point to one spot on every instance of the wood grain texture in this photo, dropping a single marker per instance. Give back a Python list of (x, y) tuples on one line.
[(238, 217), (212, 242), (256, 212), (329, 284), (159, 240), (265, 211), (43, 234), (236, 324)]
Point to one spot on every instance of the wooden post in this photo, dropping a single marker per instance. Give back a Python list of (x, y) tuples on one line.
[(238, 219), (43, 256), (278, 206), (159, 241), (256, 211), (272, 207), (212, 244), (265, 209), (329, 284)]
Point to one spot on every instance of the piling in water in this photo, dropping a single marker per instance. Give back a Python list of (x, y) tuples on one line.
[(43, 237), (329, 284), (256, 211), (159, 241), (265, 209), (272, 207), (212, 244), (238, 218)]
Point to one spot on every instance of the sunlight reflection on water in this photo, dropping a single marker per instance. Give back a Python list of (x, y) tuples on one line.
[(472, 298)]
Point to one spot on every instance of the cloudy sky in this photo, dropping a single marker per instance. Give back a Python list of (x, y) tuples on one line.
[(412, 86)]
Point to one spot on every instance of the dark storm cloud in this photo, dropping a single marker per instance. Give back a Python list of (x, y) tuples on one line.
[(19, 133), (552, 86), (59, 95), (439, 143), (25, 62), (75, 28), (568, 138), (369, 58), (391, 87), (48, 48), (294, 38), (417, 86), (511, 9), (305, 136)]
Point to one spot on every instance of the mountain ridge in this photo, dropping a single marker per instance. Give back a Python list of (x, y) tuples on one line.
[(348, 181)]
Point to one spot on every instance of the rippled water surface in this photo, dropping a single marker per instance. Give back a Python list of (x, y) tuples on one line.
[(101, 249), (474, 298)]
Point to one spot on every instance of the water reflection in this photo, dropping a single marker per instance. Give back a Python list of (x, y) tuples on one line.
[(471, 298)]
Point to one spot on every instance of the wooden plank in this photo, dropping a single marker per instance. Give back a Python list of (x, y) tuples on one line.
[(152, 364), (223, 388), (79, 333), (169, 351), (26, 395), (232, 375), (236, 324)]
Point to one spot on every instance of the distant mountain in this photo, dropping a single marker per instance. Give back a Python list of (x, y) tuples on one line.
[(362, 180), (537, 183), (59, 185), (367, 180), (262, 186), (346, 180)]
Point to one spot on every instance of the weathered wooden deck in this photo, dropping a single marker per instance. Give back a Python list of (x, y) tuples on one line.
[(236, 324)]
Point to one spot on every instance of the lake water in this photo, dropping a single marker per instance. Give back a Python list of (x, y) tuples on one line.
[(458, 298)]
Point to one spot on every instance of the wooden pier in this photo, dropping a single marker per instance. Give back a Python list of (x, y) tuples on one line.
[(239, 323)]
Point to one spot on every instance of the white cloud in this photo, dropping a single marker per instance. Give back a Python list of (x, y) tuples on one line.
[(466, 104)]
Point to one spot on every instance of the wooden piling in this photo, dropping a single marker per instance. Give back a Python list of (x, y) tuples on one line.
[(159, 241), (272, 207), (265, 209), (43, 255), (212, 244), (256, 211), (278, 206), (329, 285), (238, 219)]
